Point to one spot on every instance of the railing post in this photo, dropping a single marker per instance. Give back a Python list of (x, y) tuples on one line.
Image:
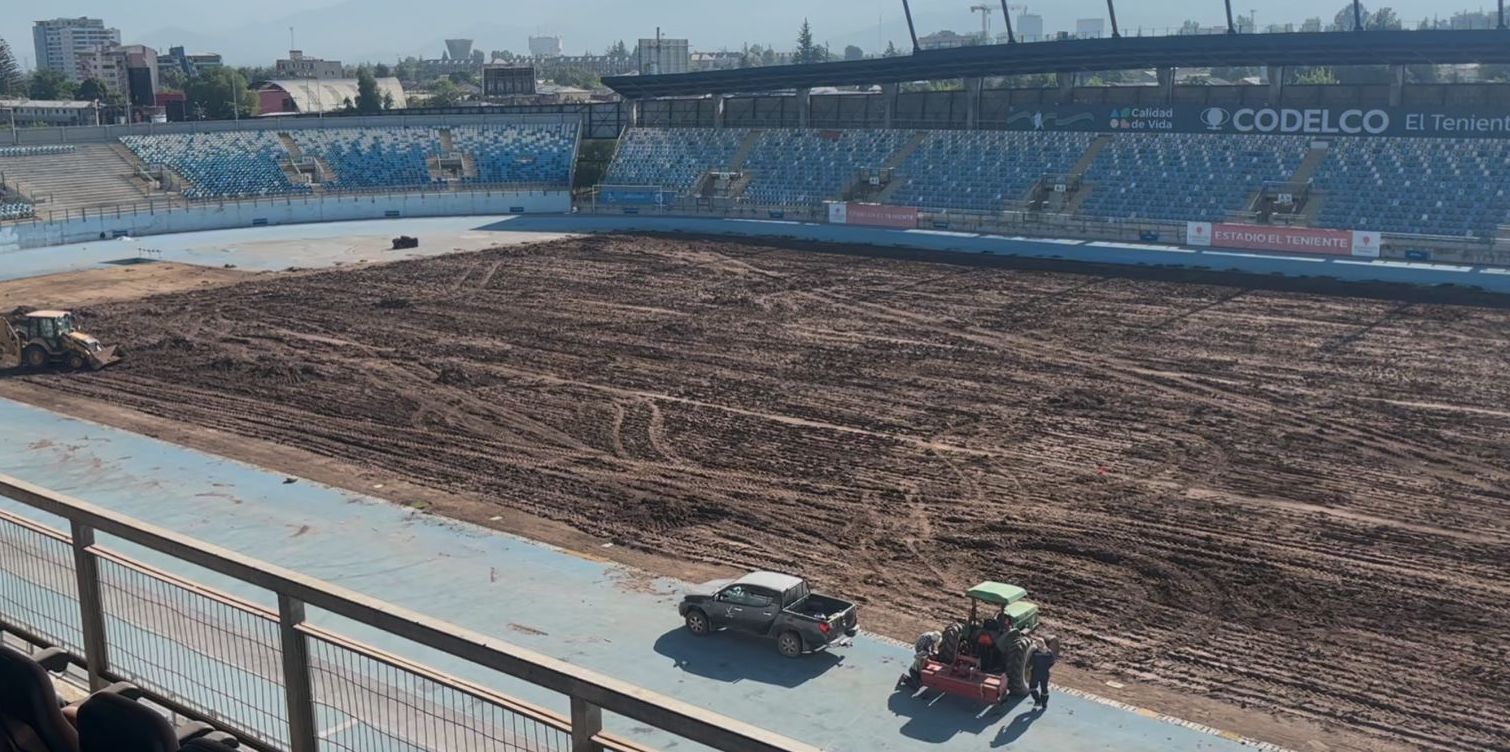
[(586, 723), (297, 688), (86, 570)]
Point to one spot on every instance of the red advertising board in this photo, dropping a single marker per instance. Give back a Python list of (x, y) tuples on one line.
[(1284, 239), (880, 215)]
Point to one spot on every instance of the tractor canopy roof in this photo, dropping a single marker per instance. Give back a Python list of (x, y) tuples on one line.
[(997, 593), (47, 314)]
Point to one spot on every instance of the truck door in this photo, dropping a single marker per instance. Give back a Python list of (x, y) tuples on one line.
[(745, 608)]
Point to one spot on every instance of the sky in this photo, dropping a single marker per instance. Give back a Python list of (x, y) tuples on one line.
[(383, 30)]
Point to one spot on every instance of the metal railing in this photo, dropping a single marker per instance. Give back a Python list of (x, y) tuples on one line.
[(283, 684)]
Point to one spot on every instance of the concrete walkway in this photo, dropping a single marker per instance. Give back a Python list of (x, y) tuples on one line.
[(594, 614)]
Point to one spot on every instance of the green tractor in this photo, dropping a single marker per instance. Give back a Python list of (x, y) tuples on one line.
[(987, 656), (51, 338)]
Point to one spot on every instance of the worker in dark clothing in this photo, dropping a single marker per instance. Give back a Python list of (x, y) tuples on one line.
[(1038, 675)]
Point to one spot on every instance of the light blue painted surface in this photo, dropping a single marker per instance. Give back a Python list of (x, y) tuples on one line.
[(579, 610)]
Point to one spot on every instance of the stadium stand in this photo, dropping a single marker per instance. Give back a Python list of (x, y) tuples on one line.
[(805, 166), (243, 163), (252, 163), (84, 177), (983, 170), (1428, 186), (514, 154), (35, 151), (1179, 176), (371, 157), (672, 159)]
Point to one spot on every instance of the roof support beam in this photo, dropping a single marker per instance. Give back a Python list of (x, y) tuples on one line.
[(907, 8), (1231, 29), (1111, 10), (1006, 15)]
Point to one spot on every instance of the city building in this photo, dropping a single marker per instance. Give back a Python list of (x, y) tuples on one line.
[(706, 61), (1029, 27), (188, 63), (660, 56), (298, 65), (1090, 28), (546, 46), (319, 95), (60, 41), (49, 112), (602, 65), (130, 69), (942, 40)]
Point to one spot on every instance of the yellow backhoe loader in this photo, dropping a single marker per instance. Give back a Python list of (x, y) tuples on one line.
[(47, 338)]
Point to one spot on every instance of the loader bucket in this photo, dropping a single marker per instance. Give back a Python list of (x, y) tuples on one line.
[(104, 357)]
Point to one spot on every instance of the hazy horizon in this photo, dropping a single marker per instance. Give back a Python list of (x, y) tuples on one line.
[(383, 30)]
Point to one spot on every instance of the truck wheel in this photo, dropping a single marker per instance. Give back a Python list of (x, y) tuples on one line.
[(697, 623), (76, 362), (789, 644), (34, 357), (1019, 666)]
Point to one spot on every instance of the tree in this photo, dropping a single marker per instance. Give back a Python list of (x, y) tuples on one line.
[(220, 94), (618, 50), (1320, 75), (807, 51), (93, 90), (1190, 27), (1385, 18), (1344, 20), (10, 73), (388, 100), (768, 57), (369, 99), (891, 50), (49, 84), (853, 52), (444, 93), (381, 70), (580, 78)]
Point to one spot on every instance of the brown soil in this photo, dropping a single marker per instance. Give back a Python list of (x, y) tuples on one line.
[(1276, 500), (94, 286)]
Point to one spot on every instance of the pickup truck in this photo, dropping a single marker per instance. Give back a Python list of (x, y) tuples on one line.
[(775, 606)]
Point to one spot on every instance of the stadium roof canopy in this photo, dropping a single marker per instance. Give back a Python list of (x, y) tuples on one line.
[(1124, 53), (330, 94)]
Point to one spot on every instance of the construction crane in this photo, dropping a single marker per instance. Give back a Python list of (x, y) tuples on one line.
[(985, 21)]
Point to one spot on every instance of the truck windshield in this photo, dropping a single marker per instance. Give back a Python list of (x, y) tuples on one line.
[(65, 325)]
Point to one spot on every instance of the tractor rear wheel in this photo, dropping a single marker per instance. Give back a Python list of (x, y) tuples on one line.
[(1019, 665), (34, 356)]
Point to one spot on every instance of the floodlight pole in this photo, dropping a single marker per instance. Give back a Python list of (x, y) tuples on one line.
[(1357, 15), (1111, 10), (1007, 15), (907, 8), (1502, 13), (1231, 29)]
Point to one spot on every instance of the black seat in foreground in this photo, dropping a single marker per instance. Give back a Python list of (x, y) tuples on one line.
[(111, 722), (31, 719)]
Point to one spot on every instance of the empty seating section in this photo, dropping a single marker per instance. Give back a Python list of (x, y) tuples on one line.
[(35, 151), (983, 170), (252, 163), (244, 163), (513, 154), (804, 166), (1437, 186), (672, 159), (1180, 176), (363, 158)]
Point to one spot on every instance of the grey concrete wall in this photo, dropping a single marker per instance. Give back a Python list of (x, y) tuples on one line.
[(301, 210)]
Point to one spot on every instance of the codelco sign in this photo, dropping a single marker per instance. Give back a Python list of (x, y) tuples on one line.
[(1362, 243), (1277, 121), (1315, 122)]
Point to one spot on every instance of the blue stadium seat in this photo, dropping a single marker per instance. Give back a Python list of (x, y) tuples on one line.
[(217, 165), (794, 167), (983, 170), (1426, 186), (672, 159), (1184, 176)]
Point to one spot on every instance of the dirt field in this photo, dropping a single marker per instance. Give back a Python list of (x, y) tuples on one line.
[(1281, 501), (93, 286)]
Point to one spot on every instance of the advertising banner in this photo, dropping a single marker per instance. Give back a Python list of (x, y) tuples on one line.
[(1278, 121), (634, 196), (881, 215), (1361, 243), (838, 214)]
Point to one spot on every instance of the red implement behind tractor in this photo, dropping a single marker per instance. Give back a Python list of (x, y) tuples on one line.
[(986, 658)]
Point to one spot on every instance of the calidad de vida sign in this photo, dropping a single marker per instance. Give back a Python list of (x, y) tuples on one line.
[(1361, 122), (1313, 240)]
